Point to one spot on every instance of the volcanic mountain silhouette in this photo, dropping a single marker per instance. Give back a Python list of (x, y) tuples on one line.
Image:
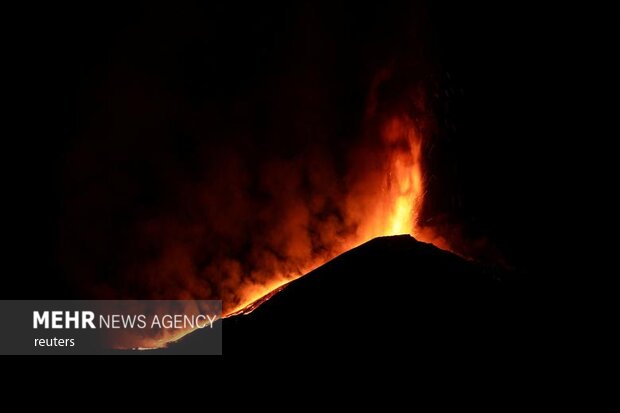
[(391, 294)]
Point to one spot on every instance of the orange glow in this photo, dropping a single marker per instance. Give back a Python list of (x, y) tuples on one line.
[(385, 198), (403, 191), (386, 202)]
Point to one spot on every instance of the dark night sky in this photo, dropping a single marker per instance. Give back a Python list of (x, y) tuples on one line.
[(135, 99)]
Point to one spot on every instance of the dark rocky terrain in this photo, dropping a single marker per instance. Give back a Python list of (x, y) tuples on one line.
[(391, 297)]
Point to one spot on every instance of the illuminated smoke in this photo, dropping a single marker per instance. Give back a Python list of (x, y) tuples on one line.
[(259, 217)]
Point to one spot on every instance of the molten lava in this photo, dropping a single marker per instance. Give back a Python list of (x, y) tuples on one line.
[(402, 193), (388, 201)]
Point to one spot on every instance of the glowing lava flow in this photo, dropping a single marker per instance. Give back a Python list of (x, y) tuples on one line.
[(387, 202)]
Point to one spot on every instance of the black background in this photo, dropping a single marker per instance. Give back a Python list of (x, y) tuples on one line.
[(504, 75), (526, 71)]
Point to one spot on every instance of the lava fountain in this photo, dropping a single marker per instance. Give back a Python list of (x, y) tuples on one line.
[(386, 200)]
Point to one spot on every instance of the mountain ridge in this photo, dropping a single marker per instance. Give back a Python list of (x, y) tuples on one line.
[(380, 296)]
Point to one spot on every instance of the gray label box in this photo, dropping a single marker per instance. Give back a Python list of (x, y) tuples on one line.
[(119, 327)]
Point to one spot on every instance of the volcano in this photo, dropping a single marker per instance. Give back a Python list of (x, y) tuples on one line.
[(390, 294)]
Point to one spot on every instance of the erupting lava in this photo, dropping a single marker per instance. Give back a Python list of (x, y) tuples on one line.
[(250, 211), (402, 193), (388, 201), (193, 176)]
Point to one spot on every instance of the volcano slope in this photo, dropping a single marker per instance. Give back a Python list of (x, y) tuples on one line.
[(393, 295)]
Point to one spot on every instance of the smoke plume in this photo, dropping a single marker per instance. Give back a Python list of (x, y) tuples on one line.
[(180, 187)]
